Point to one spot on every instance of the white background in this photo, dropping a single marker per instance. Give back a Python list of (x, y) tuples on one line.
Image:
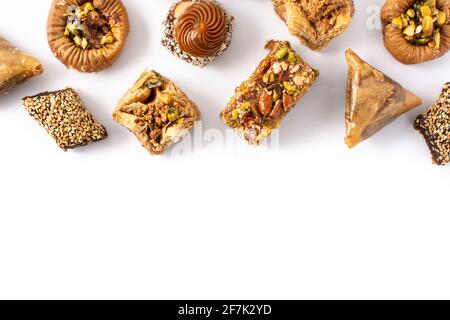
[(309, 220)]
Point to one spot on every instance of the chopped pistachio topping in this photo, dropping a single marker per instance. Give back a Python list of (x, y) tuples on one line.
[(280, 54), (87, 27), (167, 109), (278, 82), (421, 24)]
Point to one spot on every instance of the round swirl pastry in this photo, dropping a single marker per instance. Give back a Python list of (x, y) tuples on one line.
[(201, 29)]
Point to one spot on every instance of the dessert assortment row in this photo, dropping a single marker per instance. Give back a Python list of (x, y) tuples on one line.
[(88, 36)]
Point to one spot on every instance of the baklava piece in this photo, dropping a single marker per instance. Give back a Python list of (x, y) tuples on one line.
[(373, 100), (261, 102), (64, 116), (435, 127), (87, 36), (16, 67), (197, 31), (157, 112), (315, 22), (416, 31)]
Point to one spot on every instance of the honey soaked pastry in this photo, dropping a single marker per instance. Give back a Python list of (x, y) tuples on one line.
[(373, 100), (16, 67), (434, 125), (157, 112), (197, 31), (272, 91), (315, 22), (87, 36), (416, 31)]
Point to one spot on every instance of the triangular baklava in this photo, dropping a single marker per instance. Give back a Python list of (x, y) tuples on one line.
[(373, 100)]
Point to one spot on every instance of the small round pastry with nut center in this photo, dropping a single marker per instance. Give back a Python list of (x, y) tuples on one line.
[(416, 31), (197, 31), (87, 36)]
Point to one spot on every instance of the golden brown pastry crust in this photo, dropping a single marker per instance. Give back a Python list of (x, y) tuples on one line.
[(92, 60), (310, 22), (16, 67), (144, 111), (398, 46), (373, 100)]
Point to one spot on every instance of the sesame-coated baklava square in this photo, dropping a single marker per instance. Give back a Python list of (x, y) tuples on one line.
[(434, 125), (66, 119)]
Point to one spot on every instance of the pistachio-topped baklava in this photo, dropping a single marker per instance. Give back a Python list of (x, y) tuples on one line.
[(157, 112), (416, 31), (87, 35), (260, 103)]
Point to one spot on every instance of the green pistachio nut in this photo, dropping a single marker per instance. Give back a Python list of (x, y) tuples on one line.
[(280, 54), (425, 11), (411, 13), (409, 31), (428, 26), (441, 18)]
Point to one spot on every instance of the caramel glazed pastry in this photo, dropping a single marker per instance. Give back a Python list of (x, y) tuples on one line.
[(16, 67), (315, 22), (87, 36), (197, 31), (435, 127), (416, 31), (373, 100), (272, 91), (157, 112)]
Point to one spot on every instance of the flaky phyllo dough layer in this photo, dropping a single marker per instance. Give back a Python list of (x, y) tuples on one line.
[(157, 112), (16, 67), (315, 22)]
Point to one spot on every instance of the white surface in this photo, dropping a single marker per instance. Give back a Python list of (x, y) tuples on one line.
[(309, 220)]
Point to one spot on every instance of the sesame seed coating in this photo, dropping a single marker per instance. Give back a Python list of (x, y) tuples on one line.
[(435, 127), (64, 116)]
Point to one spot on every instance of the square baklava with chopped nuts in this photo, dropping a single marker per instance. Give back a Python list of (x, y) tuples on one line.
[(261, 102), (66, 119), (157, 112)]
